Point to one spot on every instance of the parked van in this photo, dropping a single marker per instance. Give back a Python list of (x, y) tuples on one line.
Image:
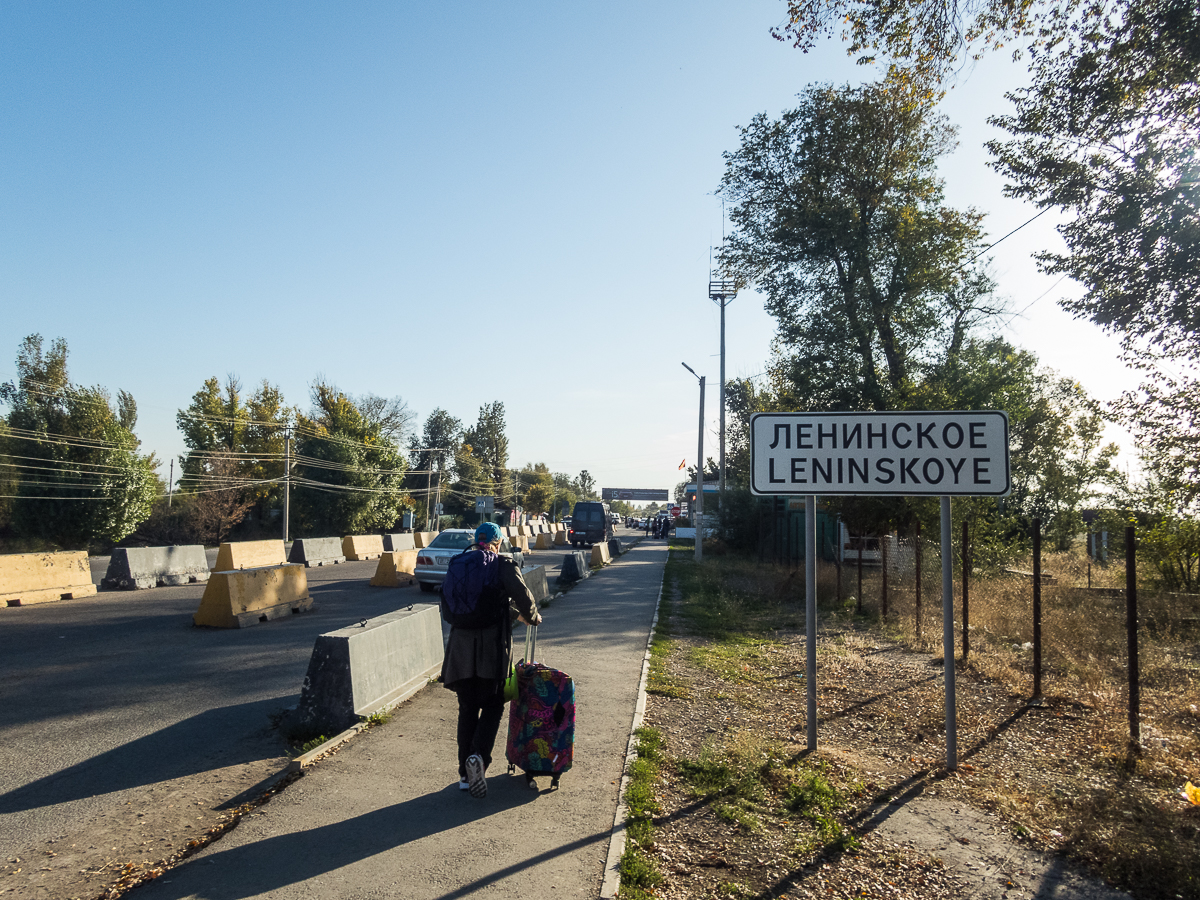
[(590, 523)]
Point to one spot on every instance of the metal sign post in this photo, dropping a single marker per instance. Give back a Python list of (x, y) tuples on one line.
[(911, 453), (485, 506), (948, 637), (810, 615)]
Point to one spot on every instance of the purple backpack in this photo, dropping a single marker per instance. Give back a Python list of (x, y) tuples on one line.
[(472, 591)]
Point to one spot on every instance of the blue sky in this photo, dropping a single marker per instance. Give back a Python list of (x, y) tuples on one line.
[(453, 204)]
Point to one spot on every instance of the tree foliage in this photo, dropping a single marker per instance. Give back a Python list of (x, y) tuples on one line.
[(923, 39), (246, 433), (1059, 463), (489, 443), (432, 456), (839, 219), (349, 472), (72, 454), (1108, 132)]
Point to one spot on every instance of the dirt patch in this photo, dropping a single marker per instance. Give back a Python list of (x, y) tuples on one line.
[(917, 830)]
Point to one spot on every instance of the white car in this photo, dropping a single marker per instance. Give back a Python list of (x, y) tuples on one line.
[(432, 561)]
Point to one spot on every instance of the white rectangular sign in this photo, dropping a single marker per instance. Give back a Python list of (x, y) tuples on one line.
[(905, 453)]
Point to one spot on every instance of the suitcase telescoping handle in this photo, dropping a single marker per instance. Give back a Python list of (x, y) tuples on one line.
[(530, 642)]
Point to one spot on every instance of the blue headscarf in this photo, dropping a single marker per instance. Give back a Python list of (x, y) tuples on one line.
[(487, 533)]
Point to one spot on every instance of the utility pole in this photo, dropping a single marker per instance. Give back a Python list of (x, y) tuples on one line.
[(171, 484), (722, 293), (287, 480), (699, 473), (428, 483)]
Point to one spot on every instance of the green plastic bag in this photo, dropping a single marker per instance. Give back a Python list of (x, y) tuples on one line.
[(510, 685)]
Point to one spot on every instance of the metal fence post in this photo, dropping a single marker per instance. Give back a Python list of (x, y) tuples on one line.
[(917, 563), (948, 635), (1037, 609), (966, 581), (1131, 631)]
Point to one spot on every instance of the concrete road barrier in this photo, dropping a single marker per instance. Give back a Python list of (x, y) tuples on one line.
[(519, 542), (535, 580), (395, 569), (362, 546), (574, 568), (237, 599), (560, 538), (134, 568), (394, 542), (614, 548), (600, 555), (27, 578), (309, 552), (249, 555), (544, 542), (424, 538), (360, 669)]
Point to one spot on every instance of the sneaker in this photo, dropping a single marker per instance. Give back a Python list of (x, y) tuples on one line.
[(463, 786), (476, 783)]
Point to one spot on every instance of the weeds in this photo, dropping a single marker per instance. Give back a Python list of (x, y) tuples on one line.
[(311, 745), (639, 874), (751, 782)]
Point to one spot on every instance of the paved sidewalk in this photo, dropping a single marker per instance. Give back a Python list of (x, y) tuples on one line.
[(384, 818)]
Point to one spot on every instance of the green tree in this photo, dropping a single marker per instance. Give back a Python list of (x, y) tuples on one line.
[(839, 219), (489, 443), (538, 499), (432, 457), (244, 432), (585, 486), (1108, 132), (349, 470), (80, 478), (564, 496), (472, 480), (924, 39)]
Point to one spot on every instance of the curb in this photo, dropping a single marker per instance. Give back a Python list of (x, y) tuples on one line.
[(616, 844)]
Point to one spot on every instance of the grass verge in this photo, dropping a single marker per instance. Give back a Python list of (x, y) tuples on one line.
[(639, 874)]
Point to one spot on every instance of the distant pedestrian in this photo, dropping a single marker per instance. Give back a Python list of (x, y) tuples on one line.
[(476, 596)]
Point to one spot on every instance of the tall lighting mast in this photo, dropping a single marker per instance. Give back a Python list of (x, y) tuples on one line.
[(722, 294)]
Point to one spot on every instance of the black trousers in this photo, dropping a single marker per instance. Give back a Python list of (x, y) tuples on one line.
[(480, 708)]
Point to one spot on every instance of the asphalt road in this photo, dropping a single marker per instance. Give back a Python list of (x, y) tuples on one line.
[(104, 697)]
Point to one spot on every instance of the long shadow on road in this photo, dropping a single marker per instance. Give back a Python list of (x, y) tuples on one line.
[(256, 869), (156, 757)]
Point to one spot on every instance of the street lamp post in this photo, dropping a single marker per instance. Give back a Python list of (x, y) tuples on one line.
[(699, 472), (722, 293)]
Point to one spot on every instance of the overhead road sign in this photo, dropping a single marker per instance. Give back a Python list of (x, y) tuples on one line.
[(633, 494), (945, 454)]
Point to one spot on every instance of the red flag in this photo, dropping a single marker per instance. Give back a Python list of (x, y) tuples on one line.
[(682, 464)]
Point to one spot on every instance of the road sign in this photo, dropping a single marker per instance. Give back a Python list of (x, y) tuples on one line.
[(633, 494), (485, 505), (675, 511), (949, 454)]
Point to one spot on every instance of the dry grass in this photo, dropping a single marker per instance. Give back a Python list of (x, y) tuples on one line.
[(1069, 778)]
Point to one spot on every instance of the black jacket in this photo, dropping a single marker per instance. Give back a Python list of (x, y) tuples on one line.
[(487, 652)]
